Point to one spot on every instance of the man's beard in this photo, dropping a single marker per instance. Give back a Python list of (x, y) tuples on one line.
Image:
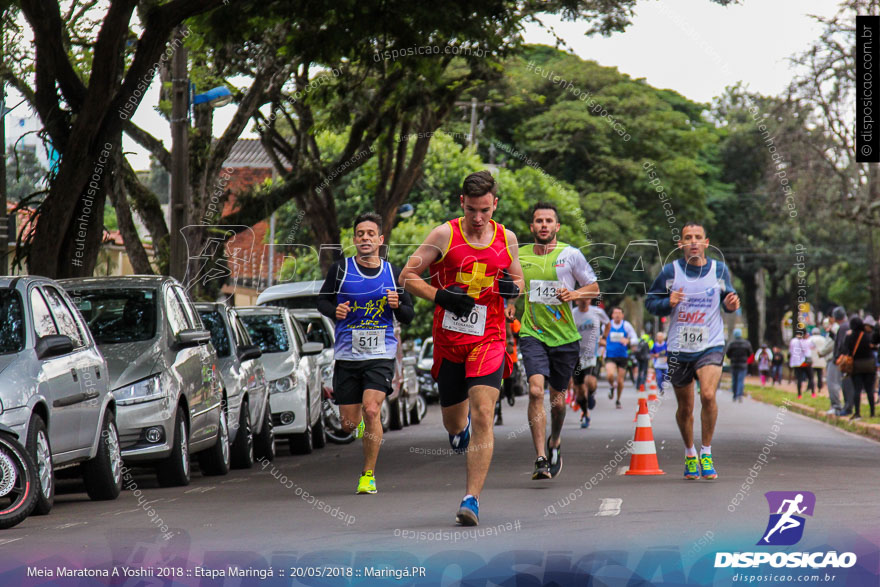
[(546, 241)]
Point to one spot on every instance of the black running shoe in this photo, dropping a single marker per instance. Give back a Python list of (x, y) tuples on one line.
[(542, 469)]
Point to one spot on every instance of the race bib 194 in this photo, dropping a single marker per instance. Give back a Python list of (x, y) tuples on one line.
[(692, 338), (473, 323), (368, 342), (544, 292)]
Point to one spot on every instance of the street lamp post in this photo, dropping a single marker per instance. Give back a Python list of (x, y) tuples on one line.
[(179, 200)]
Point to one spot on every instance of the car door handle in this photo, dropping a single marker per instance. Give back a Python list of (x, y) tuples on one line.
[(75, 376)]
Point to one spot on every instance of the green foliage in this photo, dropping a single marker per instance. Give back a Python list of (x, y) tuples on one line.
[(24, 174)]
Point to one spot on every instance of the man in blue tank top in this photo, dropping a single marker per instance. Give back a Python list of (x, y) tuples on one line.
[(618, 335), (361, 293), (693, 290)]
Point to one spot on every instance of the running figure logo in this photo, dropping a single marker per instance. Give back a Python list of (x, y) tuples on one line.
[(786, 526)]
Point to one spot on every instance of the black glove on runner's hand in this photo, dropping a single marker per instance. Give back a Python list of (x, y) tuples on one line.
[(506, 287), (455, 300)]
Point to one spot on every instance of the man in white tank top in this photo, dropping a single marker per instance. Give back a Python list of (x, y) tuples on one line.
[(693, 290)]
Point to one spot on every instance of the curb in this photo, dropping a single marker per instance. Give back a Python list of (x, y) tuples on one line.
[(861, 428)]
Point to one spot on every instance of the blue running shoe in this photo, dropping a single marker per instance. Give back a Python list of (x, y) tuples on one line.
[(707, 467), (691, 470), (460, 441), (585, 422), (469, 512)]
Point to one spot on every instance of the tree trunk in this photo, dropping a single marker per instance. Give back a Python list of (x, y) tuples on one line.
[(750, 306), (761, 301)]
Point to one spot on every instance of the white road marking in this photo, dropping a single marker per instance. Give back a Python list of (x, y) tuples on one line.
[(622, 470), (71, 525), (610, 506), (8, 540), (239, 480), (200, 489)]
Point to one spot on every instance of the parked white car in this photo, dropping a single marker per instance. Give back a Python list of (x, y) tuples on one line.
[(294, 377)]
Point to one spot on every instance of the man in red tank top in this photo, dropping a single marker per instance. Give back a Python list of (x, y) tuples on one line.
[(473, 263)]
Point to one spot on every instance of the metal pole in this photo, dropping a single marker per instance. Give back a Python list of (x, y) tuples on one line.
[(271, 249), (4, 236), (179, 158)]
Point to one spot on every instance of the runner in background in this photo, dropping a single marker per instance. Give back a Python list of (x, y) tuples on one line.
[(591, 321), (619, 333), (660, 362), (510, 383)]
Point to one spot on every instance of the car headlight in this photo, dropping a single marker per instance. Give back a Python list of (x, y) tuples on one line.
[(145, 390), (281, 385)]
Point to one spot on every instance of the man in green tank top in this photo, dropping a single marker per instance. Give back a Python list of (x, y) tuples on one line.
[(549, 339)]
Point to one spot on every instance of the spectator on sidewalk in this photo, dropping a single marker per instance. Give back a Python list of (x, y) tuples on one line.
[(832, 372), (764, 360), (738, 351), (776, 365), (857, 344), (871, 326), (846, 383), (823, 346), (800, 360)]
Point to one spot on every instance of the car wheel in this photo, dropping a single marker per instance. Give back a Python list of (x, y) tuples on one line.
[(215, 460), (385, 416), (243, 447), (418, 410), (395, 418), (301, 444), (174, 471), (264, 443), (39, 448), (319, 434), (102, 475)]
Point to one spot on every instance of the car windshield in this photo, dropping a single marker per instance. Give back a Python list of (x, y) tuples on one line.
[(11, 322), (219, 336), (429, 350), (118, 315), (268, 331)]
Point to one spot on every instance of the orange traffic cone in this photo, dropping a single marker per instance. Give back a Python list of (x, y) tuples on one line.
[(643, 460), (642, 396), (652, 395)]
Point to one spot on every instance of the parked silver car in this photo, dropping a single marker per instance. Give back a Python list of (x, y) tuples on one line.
[(244, 385), (54, 388), (294, 378), (163, 372)]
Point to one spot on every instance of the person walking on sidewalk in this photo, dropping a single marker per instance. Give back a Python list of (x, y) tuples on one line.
[(764, 359), (800, 360), (858, 345), (738, 351), (776, 365), (823, 346), (661, 364), (846, 383)]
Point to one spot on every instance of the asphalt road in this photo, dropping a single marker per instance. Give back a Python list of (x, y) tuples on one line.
[(252, 516)]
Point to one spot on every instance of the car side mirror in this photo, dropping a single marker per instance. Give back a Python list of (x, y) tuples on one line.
[(247, 353), (53, 345), (312, 348), (192, 337)]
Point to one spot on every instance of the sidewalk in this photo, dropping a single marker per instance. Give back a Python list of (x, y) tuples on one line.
[(812, 407)]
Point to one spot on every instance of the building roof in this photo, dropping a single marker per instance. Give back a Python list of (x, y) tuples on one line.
[(249, 153)]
